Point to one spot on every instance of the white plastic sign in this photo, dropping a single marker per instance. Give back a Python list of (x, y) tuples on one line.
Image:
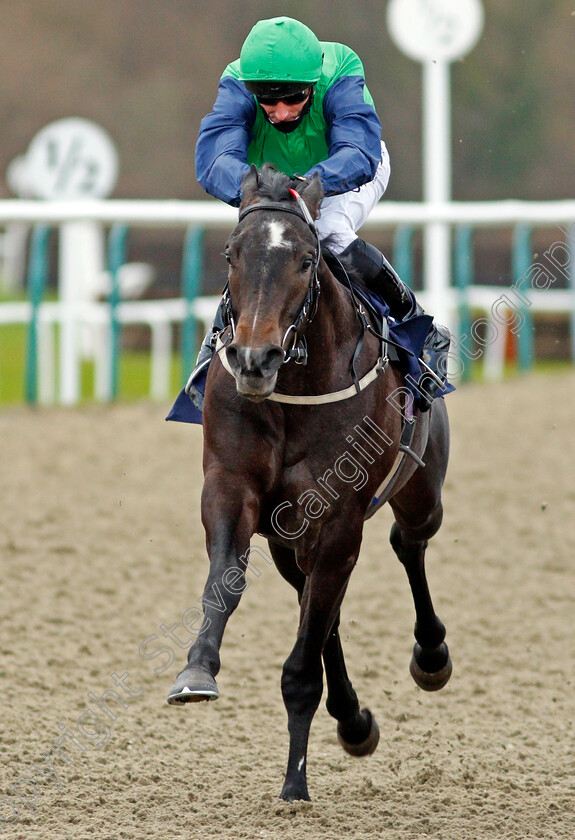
[(435, 30), (72, 159)]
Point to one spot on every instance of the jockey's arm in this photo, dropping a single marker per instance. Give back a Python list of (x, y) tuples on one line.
[(222, 147), (353, 136)]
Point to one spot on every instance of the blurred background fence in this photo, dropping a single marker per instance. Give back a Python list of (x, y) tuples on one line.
[(73, 344)]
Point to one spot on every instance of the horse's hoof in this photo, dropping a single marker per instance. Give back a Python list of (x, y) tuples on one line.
[(291, 794), (430, 680), (192, 686), (368, 745)]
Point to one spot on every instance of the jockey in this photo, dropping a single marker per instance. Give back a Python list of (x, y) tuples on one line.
[(303, 105)]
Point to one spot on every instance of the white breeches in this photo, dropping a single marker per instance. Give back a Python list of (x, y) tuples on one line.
[(342, 215)]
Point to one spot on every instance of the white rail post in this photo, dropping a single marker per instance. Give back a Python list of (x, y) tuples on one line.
[(437, 186), (69, 271)]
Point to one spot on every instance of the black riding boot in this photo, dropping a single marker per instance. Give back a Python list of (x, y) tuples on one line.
[(380, 277), (205, 356)]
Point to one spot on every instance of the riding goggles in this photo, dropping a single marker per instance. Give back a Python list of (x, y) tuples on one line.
[(291, 99)]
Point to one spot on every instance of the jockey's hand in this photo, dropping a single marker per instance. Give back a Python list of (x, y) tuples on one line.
[(302, 181)]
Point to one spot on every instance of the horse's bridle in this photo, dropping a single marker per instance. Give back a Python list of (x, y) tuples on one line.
[(298, 348)]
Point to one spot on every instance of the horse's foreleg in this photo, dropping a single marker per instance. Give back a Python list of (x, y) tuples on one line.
[(431, 664), (230, 520), (357, 729), (302, 682)]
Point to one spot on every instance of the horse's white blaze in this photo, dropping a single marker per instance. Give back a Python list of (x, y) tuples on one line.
[(276, 237), (256, 315), (276, 231), (249, 355)]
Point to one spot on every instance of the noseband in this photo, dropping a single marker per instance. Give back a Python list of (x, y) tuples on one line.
[(297, 350)]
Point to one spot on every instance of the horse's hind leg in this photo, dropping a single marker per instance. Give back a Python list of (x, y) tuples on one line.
[(418, 513), (431, 664), (357, 729)]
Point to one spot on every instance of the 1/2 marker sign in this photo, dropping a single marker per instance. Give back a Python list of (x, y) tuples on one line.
[(435, 30), (72, 159)]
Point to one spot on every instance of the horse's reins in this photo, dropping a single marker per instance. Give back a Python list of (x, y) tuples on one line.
[(298, 349)]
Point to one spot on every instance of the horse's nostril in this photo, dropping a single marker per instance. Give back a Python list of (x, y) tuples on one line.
[(255, 361), (271, 360), (232, 355)]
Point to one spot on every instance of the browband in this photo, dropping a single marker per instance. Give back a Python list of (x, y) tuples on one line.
[(272, 205)]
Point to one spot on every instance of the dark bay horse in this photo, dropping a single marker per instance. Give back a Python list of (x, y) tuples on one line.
[(303, 471)]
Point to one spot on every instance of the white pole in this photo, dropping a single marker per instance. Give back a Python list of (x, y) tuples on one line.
[(437, 185), (46, 362)]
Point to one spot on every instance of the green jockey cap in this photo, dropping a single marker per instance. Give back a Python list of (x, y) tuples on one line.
[(281, 49)]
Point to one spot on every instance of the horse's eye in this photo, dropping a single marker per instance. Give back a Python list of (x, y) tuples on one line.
[(306, 264), (228, 258)]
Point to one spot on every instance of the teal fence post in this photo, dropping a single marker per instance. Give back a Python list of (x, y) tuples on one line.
[(464, 274), (521, 261), (192, 271), (37, 276), (116, 258), (403, 253)]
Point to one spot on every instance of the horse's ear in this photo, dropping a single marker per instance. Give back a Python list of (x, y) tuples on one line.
[(312, 194), (250, 186)]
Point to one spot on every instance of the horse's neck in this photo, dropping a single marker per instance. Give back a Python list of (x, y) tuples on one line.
[(335, 316)]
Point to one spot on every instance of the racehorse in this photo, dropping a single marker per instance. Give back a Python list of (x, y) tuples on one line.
[(296, 384)]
